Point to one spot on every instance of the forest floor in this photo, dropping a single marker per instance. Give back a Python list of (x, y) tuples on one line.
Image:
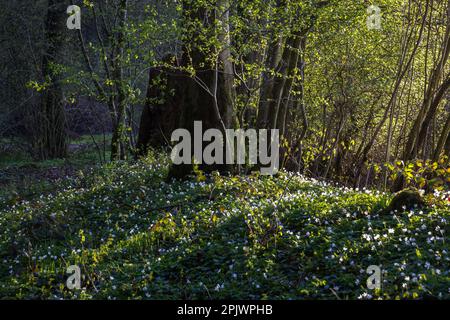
[(135, 236), (23, 178)]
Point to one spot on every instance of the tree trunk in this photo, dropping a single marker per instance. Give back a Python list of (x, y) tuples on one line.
[(206, 94), (443, 139), (431, 100), (119, 145), (272, 63), (229, 92), (52, 140)]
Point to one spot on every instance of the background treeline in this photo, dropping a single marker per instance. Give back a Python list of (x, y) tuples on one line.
[(359, 106)]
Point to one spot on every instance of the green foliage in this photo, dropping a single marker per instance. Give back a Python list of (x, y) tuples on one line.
[(428, 175), (249, 237)]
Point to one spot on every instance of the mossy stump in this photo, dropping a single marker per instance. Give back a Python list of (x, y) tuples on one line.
[(405, 200)]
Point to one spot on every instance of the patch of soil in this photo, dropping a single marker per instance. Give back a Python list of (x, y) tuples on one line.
[(33, 172)]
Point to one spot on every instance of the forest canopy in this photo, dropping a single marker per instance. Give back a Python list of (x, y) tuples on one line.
[(359, 92)]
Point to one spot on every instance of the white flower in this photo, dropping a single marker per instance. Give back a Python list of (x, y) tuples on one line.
[(365, 296)]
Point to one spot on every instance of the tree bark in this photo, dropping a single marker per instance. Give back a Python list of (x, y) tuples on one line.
[(118, 143), (443, 140), (431, 101), (52, 140)]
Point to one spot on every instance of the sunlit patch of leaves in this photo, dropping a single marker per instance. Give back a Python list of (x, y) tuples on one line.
[(136, 236)]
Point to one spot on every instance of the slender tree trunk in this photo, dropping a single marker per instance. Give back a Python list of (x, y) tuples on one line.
[(52, 140), (443, 139), (273, 59), (447, 146), (119, 143), (229, 94), (401, 72), (285, 95), (430, 103)]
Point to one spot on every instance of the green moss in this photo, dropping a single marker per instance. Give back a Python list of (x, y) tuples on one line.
[(405, 200)]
